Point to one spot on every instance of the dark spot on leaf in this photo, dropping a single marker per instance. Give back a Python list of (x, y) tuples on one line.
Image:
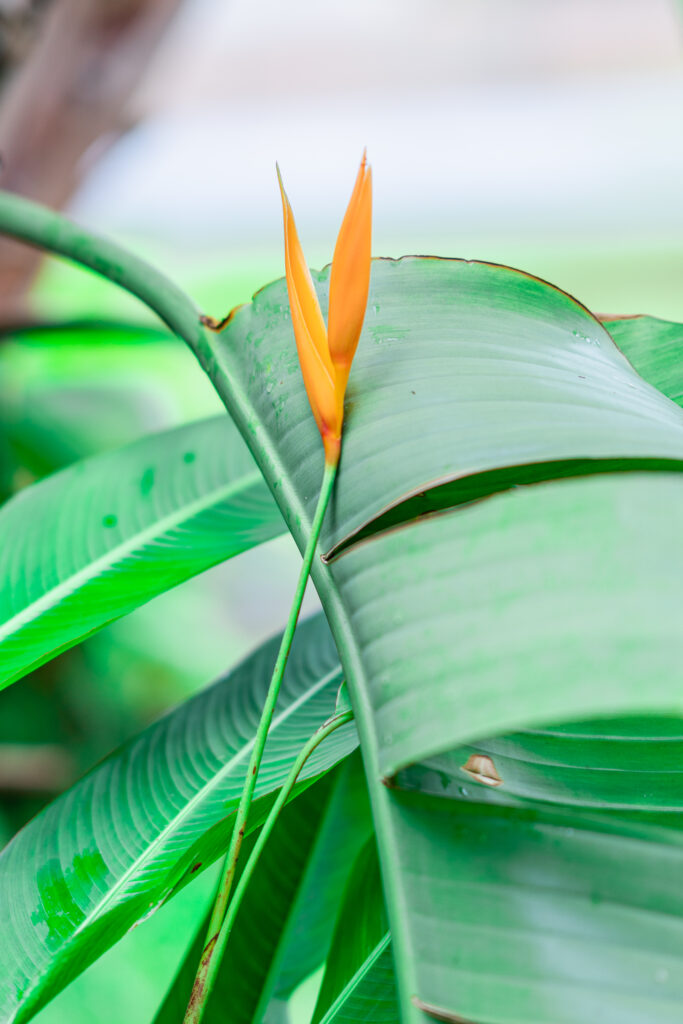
[(195, 867), (58, 889), (110, 520), (189, 457)]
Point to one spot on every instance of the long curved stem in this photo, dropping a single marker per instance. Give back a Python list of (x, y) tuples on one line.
[(209, 961), (316, 739), (36, 225)]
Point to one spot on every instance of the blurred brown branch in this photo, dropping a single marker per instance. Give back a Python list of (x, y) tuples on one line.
[(35, 768), (65, 102)]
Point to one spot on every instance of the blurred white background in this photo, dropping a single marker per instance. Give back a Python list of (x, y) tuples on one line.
[(547, 134)]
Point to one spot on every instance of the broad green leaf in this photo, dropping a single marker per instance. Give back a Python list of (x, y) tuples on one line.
[(628, 764), (284, 926), (358, 984), (145, 821), (530, 917), (96, 540), (468, 625), (469, 379), (538, 606), (541, 605), (513, 383), (653, 347)]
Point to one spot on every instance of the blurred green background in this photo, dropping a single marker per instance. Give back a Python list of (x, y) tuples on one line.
[(545, 136)]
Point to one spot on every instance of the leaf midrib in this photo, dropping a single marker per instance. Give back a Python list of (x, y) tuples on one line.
[(353, 982), (78, 580), (185, 812)]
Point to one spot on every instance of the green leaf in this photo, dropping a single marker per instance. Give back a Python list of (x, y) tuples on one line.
[(98, 539), (545, 604), (284, 926), (513, 383), (654, 348), (469, 379), (625, 764), (145, 821), (540, 606), (358, 984), (530, 917)]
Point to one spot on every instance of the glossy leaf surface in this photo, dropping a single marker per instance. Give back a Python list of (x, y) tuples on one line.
[(653, 347), (142, 823), (468, 624), (98, 539), (468, 377), (464, 626), (564, 409), (514, 917), (625, 764)]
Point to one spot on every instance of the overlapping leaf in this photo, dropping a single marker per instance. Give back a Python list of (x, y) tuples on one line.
[(653, 347), (534, 917), (545, 604), (284, 926), (96, 540), (358, 984), (625, 764), (469, 378), (539, 606), (151, 816)]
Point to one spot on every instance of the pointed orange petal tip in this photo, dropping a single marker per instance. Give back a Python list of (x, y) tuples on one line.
[(350, 274), (309, 330)]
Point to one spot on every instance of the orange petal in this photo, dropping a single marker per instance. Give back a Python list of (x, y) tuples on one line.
[(309, 330), (350, 276)]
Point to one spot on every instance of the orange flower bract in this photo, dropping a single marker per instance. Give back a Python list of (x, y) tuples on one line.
[(325, 356)]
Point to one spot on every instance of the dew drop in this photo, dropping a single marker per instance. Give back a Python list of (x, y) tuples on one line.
[(189, 457), (109, 520)]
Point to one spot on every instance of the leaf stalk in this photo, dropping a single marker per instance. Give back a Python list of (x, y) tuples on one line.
[(211, 955)]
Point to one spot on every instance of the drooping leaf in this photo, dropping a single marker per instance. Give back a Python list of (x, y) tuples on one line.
[(96, 540), (653, 347), (626, 764), (358, 984), (542, 605), (534, 917), (145, 821), (549, 603), (550, 422), (285, 923), (469, 379)]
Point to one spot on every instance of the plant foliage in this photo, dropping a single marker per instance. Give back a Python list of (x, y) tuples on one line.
[(512, 663)]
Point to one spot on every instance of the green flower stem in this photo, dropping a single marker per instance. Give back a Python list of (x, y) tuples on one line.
[(323, 732), (209, 962)]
